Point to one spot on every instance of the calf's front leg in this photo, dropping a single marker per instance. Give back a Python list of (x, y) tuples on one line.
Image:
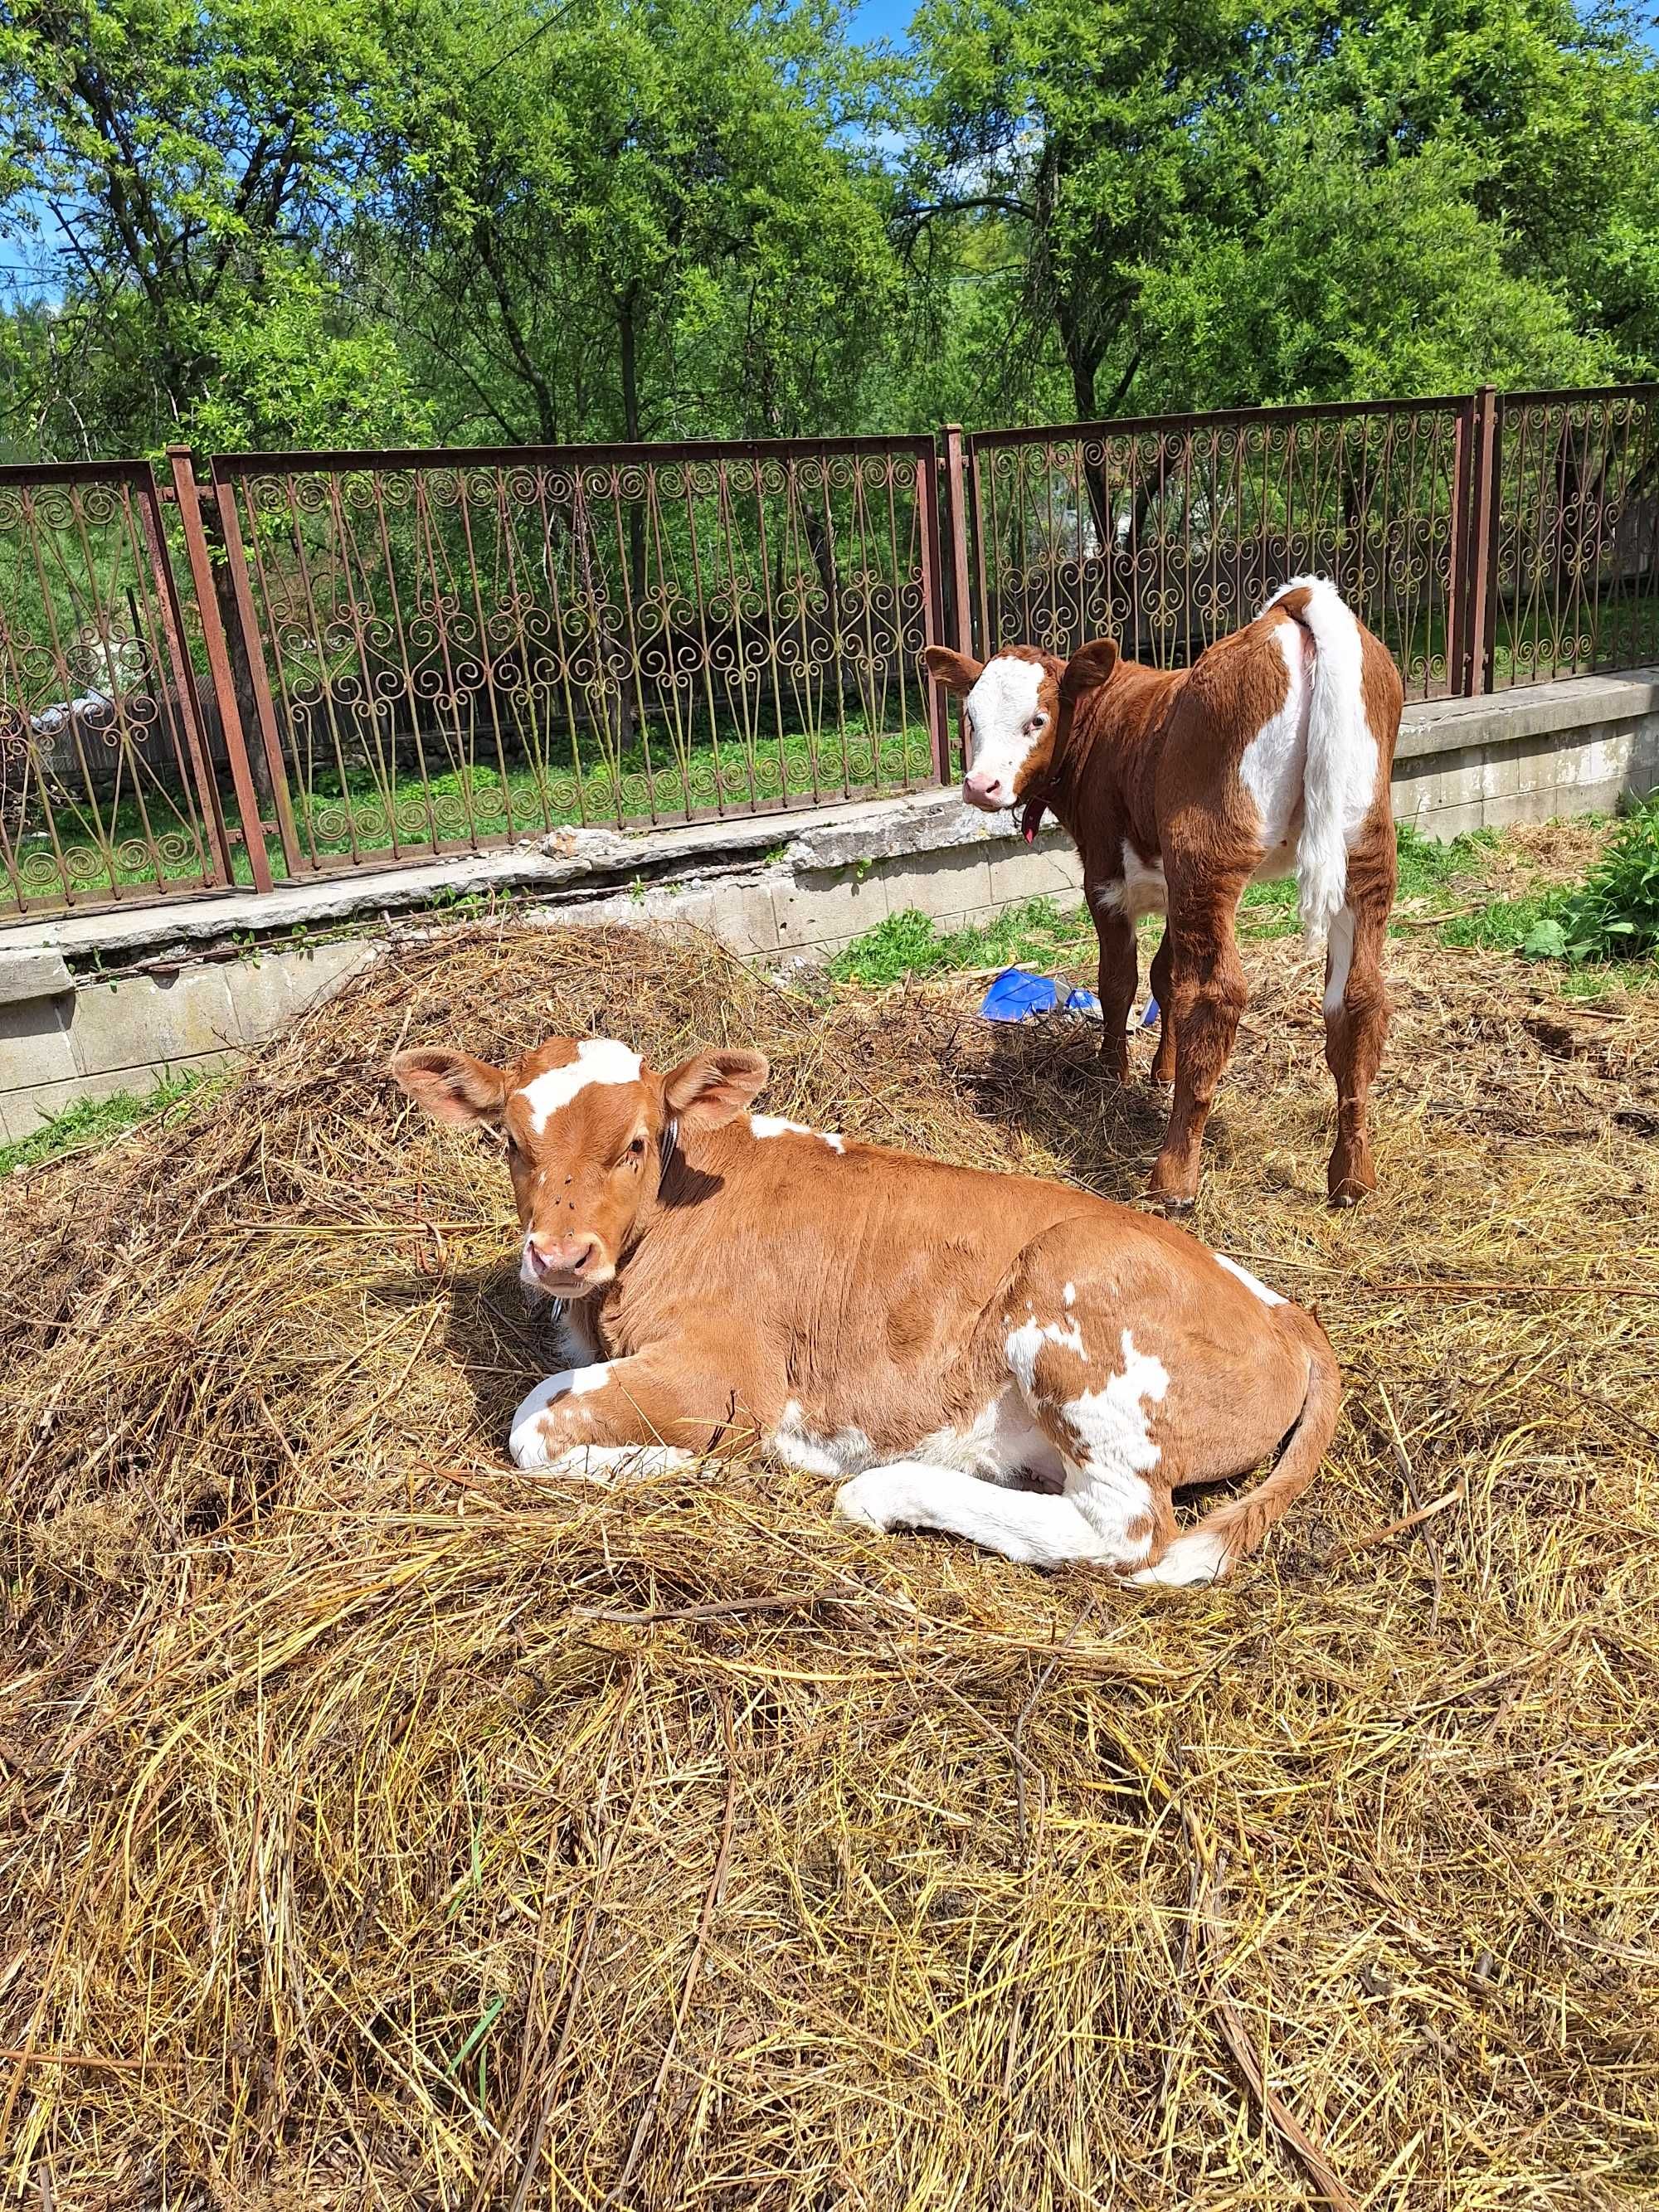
[(645, 1412), (1207, 994), (1119, 974), (1164, 1061)]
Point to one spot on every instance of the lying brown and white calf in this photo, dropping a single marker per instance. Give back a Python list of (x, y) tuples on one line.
[(1181, 787), (939, 1334)]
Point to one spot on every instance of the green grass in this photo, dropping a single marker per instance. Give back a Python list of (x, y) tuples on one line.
[(1613, 914), (1037, 934), (909, 944), (96, 1121), (473, 802)]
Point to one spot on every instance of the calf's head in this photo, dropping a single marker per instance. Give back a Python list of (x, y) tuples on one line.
[(587, 1127), (1017, 714)]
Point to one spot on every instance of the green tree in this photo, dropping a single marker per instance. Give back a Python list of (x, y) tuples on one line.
[(185, 162), (631, 222), (1198, 203)]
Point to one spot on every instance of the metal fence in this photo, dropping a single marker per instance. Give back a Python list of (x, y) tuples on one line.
[(320, 662)]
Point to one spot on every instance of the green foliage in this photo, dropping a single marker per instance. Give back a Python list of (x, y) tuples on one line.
[(1225, 205), (188, 164), (289, 223), (909, 944), (648, 223), (1613, 914), (95, 1120)]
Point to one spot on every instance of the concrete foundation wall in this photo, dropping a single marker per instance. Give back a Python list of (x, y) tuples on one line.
[(94, 1004)]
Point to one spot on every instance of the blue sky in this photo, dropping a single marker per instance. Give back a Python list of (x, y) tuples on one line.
[(884, 19)]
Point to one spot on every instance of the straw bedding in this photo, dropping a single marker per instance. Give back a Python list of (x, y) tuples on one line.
[(384, 1828)]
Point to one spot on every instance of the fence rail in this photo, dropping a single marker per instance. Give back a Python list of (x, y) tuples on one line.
[(311, 662)]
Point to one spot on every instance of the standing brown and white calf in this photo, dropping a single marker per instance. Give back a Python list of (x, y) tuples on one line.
[(932, 1337), (1271, 754)]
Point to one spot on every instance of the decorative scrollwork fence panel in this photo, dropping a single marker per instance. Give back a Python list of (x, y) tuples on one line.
[(1168, 532), (1576, 570), (453, 649), (107, 741)]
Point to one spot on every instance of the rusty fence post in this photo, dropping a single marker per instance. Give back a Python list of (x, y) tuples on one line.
[(188, 493), (1457, 555), (224, 494), (960, 620), (171, 609), (1480, 586), (932, 608)]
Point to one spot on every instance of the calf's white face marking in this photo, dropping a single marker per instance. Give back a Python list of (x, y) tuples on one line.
[(1000, 709), (599, 1059), (1267, 1297)]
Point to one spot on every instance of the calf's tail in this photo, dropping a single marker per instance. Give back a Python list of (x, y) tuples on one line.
[(1341, 773)]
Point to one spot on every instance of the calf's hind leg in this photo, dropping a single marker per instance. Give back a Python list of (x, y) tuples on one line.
[(1357, 1020), (1164, 1061)]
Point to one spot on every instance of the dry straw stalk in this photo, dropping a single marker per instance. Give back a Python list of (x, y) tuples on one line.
[(384, 1828)]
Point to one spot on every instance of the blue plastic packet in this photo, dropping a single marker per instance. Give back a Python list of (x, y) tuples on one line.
[(1016, 994), (1151, 1016)]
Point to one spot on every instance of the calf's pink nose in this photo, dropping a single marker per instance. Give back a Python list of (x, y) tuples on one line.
[(560, 1256), (979, 783)]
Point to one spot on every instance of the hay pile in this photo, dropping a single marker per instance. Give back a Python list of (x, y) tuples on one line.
[(382, 1827)]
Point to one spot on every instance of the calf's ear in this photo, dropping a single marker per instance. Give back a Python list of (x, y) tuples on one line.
[(711, 1087), (1088, 668), (451, 1086), (952, 671)]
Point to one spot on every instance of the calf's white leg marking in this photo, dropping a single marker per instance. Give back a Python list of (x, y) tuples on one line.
[(526, 1441), (1115, 1452), (1022, 1345), (599, 1059), (1039, 1532), (1002, 1443), (1190, 1559), (831, 1456), (1251, 1282), (601, 1463)]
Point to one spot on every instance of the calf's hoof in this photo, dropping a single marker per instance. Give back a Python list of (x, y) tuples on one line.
[(1176, 1192), (1348, 1183), (868, 1502)]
